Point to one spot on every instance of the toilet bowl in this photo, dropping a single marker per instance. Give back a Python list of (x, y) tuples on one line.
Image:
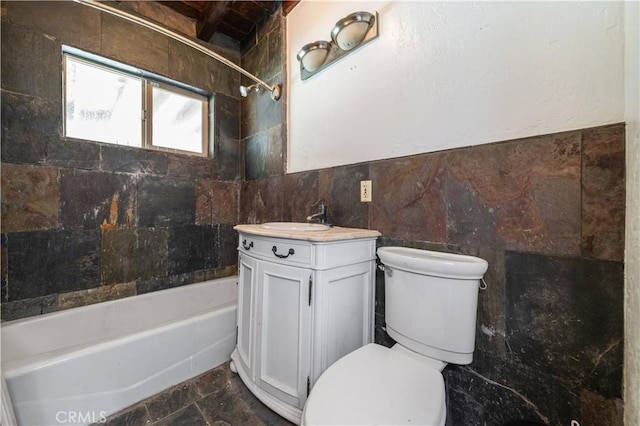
[(431, 303)]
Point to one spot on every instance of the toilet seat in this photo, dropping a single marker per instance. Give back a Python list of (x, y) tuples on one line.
[(375, 385)]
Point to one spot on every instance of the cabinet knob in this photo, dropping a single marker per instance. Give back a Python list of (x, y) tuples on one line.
[(282, 256), (245, 246)]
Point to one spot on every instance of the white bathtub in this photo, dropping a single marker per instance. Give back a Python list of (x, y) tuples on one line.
[(81, 365)]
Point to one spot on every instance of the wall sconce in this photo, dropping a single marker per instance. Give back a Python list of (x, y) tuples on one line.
[(349, 33), (313, 55)]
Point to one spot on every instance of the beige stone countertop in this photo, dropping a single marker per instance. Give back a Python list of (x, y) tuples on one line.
[(334, 233)]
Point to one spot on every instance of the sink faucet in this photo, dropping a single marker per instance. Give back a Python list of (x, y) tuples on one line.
[(321, 216)]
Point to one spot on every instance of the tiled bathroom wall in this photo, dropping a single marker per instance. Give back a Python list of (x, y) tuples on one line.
[(546, 212), (84, 222)]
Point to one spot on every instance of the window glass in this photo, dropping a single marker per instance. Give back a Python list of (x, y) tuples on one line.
[(106, 101), (178, 120), (102, 105)]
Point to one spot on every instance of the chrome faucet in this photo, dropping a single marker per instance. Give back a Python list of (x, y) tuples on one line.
[(321, 216)]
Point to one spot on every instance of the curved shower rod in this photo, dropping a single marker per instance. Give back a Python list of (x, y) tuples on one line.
[(274, 90)]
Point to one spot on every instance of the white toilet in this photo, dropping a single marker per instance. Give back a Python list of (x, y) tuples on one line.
[(431, 301)]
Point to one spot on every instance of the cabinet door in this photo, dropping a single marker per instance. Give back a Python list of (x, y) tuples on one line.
[(247, 279), (343, 313), (283, 332)]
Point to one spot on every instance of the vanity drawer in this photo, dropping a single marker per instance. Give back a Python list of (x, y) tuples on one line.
[(276, 249)]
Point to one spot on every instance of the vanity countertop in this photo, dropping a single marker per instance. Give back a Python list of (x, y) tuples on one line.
[(334, 233)]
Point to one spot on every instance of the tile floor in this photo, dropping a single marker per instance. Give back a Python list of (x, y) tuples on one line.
[(215, 398)]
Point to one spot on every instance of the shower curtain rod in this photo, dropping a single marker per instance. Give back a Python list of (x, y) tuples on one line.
[(275, 90)]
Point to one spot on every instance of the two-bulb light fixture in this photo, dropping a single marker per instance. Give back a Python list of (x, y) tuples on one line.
[(349, 33)]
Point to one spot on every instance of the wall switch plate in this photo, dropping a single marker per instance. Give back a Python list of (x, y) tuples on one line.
[(365, 191)]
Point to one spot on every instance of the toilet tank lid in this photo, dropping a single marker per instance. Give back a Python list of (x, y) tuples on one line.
[(447, 265)]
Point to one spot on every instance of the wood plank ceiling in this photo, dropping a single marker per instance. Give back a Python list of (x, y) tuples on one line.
[(234, 18)]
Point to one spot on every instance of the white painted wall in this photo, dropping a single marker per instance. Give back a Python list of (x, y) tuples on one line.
[(452, 74), (632, 228)]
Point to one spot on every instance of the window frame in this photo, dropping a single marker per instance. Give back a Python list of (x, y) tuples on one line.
[(148, 81)]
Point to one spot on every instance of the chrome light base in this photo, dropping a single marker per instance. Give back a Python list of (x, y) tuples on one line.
[(335, 51)]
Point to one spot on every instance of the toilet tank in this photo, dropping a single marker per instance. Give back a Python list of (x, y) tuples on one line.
[(431, 301)]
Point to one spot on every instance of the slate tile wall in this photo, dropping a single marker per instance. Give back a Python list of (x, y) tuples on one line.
[(85, 222), (547, 213)]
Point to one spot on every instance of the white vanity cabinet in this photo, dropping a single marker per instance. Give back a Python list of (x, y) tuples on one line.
[(305, 299)]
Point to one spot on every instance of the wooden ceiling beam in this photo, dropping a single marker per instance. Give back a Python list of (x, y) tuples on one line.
[(211, 18)]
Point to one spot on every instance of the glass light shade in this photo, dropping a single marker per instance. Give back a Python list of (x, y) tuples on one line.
[(351, 30), (313, 55)]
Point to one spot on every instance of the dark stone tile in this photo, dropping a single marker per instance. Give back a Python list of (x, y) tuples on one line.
[(163, 283), (30, 198), (226, 246), (261, 201), (187, 249), (28, 307), (227, 136), (325, 183), (274, 64), (189, 416), (258, 112), (564, 317), (100, 294), (255, 60), (408, 197), (90, 200), (345, 208), (134, 416), (187, 65), (159, 13), (226, 80), (596, 410), (229, 159), (52, 262), (171, 400), (65, 22), (491, 321), (305, 202), (28, 124), (212, 380), (73, 153), (128, 255), (150, 51), (229, 401), (264, 154), (217, 202), (603, 192), (521, 195), (474, 399), (166, 201), (133, 160), (30, 63), (191, 166), (227, 117)]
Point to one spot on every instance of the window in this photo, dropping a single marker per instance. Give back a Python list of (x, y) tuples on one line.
[(110, 102)]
